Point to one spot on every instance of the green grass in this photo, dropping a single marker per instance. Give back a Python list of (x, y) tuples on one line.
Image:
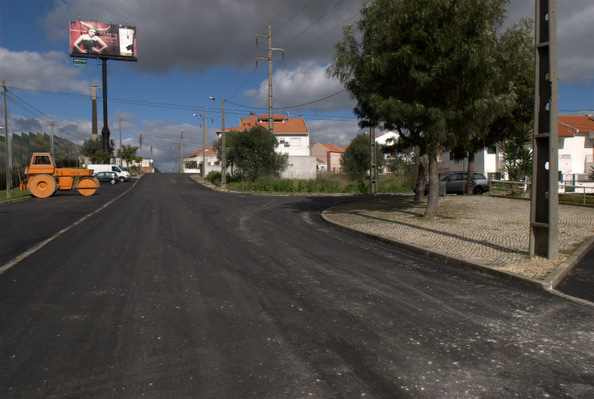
[(576, 199), (15, 193), (323, 184)]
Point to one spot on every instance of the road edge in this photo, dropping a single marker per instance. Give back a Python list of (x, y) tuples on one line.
[(9, 265), (547, 285)]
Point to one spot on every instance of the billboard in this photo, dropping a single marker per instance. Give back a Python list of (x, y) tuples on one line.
[(97, 40)]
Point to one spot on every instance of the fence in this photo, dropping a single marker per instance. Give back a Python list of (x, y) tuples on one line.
[(25, 143), (582, 192)]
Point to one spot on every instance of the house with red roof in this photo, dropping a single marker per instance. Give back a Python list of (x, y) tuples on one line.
[(575, 152), (576, 146), (292, 136), (212, 163), (329, 153)]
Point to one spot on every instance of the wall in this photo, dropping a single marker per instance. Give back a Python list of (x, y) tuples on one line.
[(572, 154), (293, 145), (300, 167)]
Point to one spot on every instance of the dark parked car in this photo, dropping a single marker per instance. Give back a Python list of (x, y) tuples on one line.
[(111, 177), (455, 183)]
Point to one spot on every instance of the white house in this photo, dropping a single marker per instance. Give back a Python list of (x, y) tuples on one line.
[(388, 138), (212, 163), (575, 152), (292, 135)]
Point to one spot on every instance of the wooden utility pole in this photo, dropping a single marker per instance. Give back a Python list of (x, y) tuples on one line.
[(544, 209), (269, 59)]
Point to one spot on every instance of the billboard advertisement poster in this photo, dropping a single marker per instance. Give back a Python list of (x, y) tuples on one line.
[(98, 40)]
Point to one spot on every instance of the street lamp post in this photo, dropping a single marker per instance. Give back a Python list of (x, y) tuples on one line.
[(204, 133), (223, 148)]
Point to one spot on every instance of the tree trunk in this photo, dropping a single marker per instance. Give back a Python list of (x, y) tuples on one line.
[(433, 198), (421, 176), (470, 174)]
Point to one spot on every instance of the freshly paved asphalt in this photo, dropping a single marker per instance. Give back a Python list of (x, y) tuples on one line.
[(580, 281), (177, 291), (489, 233)]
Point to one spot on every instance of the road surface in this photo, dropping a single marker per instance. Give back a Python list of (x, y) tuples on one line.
[(176, 291)]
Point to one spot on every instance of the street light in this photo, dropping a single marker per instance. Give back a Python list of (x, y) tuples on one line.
[(204, 129), (223, 148)]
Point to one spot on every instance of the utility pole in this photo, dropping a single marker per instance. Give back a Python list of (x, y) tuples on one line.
[(204, 133), (372, 162), (121, 162), (224, 150), (269, 59), (181, 153), (141, 153), (52, 124), (544, 201), (151, 161), (8, 143), (94, 131)]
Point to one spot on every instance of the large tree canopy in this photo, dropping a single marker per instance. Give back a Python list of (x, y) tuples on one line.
[(355, 160), (424, 68), (128, 154), (251, 153), (93, 148)]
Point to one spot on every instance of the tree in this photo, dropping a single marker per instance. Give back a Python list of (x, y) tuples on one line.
[(517, 157), (512, 94), (93, 148), (251, 153), (421, 67), (355, 160), (128, 154)]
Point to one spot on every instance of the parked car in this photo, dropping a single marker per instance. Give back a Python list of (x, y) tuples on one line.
[(455, 183), (111, 177), (122, 174)]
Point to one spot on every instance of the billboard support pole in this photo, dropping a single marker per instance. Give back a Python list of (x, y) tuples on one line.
[(105, 131)]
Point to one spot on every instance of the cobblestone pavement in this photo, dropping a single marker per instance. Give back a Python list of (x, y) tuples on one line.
[(483, 230)]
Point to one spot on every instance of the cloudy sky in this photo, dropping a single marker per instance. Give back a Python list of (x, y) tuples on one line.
[(190, 50)]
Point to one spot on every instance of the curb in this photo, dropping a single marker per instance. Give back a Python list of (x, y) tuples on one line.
[(563, 270), (546, 285)]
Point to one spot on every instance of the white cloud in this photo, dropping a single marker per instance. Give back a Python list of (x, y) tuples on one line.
[(575, 53), (332, 132), (302, 87), (41, 71)]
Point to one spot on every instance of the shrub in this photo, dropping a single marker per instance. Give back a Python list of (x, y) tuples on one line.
[(214, 177)]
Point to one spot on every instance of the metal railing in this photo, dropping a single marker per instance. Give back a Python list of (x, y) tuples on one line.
[(577, 193)]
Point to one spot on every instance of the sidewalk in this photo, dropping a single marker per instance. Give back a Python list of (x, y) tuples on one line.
[(485, 231)]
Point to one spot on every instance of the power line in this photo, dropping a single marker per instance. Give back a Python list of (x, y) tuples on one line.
[(293, 17), (181, 106), (315, 22)]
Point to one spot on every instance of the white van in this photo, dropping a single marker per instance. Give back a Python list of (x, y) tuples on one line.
[(122, 174)]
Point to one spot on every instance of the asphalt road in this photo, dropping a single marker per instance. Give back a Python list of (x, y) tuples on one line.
[(176, 291)]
